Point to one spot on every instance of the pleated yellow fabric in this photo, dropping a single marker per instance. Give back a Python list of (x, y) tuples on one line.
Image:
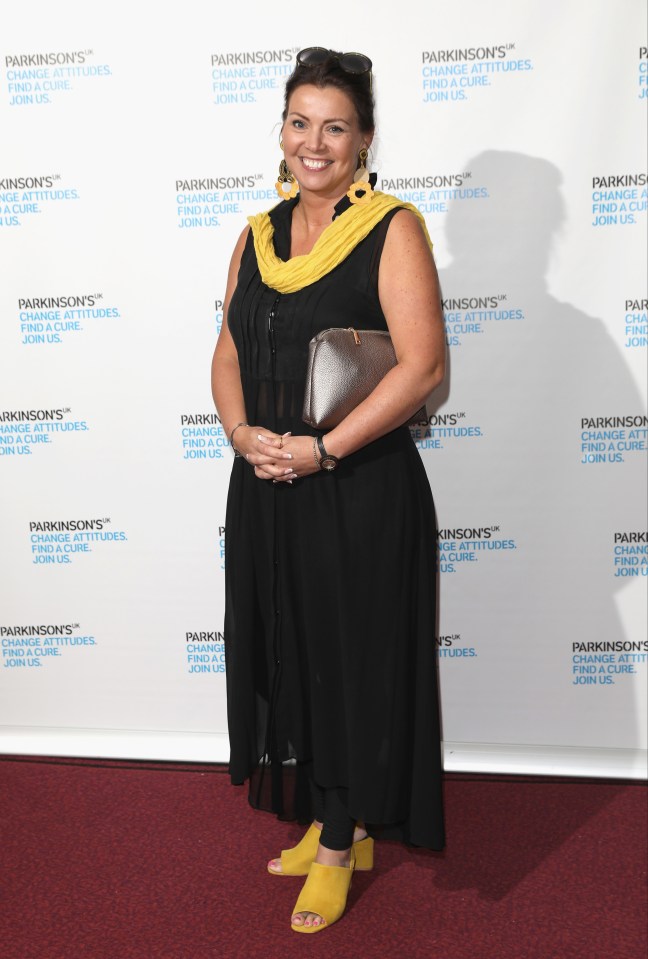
[(333, 246)]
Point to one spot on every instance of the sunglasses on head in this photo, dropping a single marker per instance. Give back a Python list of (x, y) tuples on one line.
[(349, 62)]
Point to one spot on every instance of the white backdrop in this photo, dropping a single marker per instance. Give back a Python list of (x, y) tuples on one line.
[(133, 145)]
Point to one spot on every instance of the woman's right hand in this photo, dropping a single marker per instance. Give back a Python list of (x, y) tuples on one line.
[(266, 456)]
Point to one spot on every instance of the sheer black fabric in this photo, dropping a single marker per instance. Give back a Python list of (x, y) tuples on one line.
[(330, 582)]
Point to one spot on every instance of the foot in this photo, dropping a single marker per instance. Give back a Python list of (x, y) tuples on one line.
[(359, 833), (275, 865), (326, 857)]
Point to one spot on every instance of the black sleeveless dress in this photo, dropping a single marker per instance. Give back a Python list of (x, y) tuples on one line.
[(330, 583)]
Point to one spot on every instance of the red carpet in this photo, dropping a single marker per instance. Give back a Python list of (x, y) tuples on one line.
[(106, 860)]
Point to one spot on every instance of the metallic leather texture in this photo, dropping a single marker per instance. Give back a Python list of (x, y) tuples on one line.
[(344, 367)]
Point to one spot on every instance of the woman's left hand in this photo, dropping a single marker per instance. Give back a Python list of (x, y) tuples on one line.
[(305, 460)]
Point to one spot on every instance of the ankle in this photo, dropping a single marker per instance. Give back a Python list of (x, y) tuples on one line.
[(333, 857)]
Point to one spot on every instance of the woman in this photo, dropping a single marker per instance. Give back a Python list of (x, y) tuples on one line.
[(330, 566)]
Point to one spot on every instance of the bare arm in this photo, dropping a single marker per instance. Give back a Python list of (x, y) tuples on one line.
[(228, 391), (408, 288), (225, 373)]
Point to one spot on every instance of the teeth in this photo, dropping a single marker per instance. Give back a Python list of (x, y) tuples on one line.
[(315, 164)]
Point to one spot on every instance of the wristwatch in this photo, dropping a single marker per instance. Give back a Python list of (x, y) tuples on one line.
[(327, 461)]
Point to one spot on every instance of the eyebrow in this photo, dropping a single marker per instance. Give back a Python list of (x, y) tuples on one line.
[(295, 113)]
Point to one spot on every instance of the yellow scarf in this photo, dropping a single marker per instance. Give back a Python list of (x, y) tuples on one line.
[(333, 246)]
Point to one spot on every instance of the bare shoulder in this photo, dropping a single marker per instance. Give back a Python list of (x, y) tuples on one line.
[(242, 240), (406, 255), (235, 265), (240, 245), (235, 262), (405, 233)]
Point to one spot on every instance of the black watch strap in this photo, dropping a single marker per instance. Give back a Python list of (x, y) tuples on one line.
[(328, 462), (321, 447)]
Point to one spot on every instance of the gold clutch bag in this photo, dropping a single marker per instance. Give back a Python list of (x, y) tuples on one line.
[(344, 367)]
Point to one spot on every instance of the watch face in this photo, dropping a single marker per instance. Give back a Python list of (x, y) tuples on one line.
[(329, 463)]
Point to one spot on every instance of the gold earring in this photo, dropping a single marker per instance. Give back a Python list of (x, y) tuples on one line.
[(286, 186), (362, 172), (361, 190)]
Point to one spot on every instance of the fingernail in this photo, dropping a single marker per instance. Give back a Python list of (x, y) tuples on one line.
[(287, 471), (288, 481), (287, 456)]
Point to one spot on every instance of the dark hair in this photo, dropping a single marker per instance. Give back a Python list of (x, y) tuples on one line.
[(357, 87)]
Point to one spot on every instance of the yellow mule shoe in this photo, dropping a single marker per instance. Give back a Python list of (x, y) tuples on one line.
[(297, 861), (324, 893), (363, 850)]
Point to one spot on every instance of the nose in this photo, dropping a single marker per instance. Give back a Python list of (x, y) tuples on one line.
[(314, 140)]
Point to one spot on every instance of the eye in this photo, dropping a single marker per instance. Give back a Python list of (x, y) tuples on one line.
[(298, 124), (336, 129)]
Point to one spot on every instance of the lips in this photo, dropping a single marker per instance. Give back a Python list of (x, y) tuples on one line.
[(315, 165)]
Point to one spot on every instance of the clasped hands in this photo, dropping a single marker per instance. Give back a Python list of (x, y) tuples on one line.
[(281, 458)]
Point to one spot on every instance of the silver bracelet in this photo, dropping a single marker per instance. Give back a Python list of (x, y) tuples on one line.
[(231, 438), (317, 462)]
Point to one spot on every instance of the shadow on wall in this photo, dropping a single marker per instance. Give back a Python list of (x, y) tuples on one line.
[(537, 384)]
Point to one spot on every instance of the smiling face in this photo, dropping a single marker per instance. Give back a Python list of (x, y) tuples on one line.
[(322, 139)]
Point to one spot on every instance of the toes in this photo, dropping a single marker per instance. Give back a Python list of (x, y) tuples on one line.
[(308, 919), (275, 865)]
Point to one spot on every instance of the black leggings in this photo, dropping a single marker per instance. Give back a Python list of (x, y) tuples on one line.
[(330, 806)]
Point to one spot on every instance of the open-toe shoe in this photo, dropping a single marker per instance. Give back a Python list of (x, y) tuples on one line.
[(297, 861), (325, 894)]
